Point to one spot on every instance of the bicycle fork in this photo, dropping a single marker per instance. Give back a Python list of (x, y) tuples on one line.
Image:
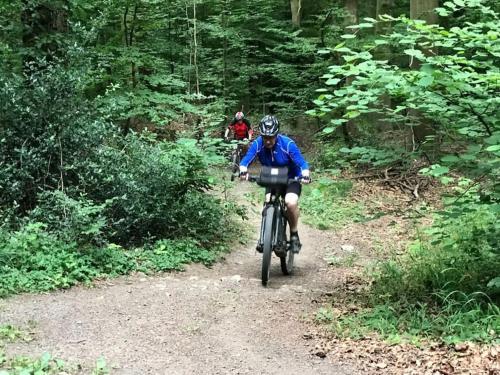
[(279, 244)]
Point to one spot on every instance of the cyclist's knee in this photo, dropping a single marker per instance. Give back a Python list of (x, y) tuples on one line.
[(291, 200)]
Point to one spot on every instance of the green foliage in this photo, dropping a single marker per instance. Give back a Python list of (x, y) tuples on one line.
[(33, 260), (325, 204), (70, 219), (454, 90), (396, 323), (100, 368), (44, 365), (372, 156), (444, 287), (167, 255), (440, 83), (154, 189), (10, 333)]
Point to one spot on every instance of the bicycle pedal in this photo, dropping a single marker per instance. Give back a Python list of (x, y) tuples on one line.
[(280, 253)]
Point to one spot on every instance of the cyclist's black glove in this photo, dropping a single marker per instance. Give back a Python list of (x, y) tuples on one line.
[(305, 179), (244, 175)]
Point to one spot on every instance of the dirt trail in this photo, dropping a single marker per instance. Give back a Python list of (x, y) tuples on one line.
[(201, 321)]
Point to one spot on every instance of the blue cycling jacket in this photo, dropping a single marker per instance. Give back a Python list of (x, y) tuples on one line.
[(285, 153)]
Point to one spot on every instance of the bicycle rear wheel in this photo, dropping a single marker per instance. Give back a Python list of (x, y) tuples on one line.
[(287, 263), (287, 260), (267, 244), (235, 163)]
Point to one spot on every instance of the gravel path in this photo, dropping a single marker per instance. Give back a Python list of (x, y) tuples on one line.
[(201, 321)]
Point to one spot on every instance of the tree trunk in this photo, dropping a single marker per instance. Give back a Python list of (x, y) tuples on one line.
[(351, 7), (383, 52), (224, 22), (38, 22), (349, 129), (195, 52), (422, 10), (296, 7), (383, 7)]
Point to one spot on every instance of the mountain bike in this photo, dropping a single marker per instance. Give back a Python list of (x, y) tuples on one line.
[(235, 158), (273, 233)]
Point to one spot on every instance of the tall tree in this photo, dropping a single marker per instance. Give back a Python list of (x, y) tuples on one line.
[(349, 128), (422, 10), (296, 7)]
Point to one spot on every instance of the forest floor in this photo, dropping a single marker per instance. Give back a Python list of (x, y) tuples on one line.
[(220, 320)]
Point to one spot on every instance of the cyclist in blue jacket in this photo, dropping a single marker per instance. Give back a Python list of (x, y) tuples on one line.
[(277, 150)]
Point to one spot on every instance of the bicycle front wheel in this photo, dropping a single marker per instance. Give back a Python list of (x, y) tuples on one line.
[(235, 164), (267, 244)]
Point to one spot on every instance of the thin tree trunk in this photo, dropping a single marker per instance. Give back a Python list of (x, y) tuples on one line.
[(422, 10), (131, 39), (383, 53), (349, 129), (195, 57), (37, 21), (296, 8), (224, 23), (190, 51)]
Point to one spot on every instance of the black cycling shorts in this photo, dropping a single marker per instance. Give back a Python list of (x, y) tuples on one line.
[(294, 187)]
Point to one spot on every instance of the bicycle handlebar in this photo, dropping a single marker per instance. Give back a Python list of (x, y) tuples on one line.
[(256, 178)]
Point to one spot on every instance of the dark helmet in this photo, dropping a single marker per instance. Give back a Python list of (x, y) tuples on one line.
[(269, 126)]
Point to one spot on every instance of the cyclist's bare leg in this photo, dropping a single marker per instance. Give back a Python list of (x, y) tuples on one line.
[(292, 206)]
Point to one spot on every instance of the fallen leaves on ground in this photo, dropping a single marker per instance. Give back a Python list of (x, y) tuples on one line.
[(374, 356)]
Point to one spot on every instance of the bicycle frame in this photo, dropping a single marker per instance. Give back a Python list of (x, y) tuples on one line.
[(279, 242)]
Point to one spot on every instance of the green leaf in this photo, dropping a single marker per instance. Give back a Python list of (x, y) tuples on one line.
[(338, 121), (425, 81), (450, 159), (348, 36), (352, 114), (415, 53), (332, 81), (494, 283), (493, 148), (440, 170)]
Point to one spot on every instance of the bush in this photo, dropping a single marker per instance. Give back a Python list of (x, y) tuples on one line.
[(47, 131), (64, 166), (325, 204), (33, 260), (456, 259), (444, 287), (71, 219), (153, 190)]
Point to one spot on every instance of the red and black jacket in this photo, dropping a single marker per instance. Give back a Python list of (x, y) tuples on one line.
[(241, 129)]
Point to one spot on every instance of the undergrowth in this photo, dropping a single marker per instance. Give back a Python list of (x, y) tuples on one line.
[(444, 288), (325, 204), (34, 260)]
